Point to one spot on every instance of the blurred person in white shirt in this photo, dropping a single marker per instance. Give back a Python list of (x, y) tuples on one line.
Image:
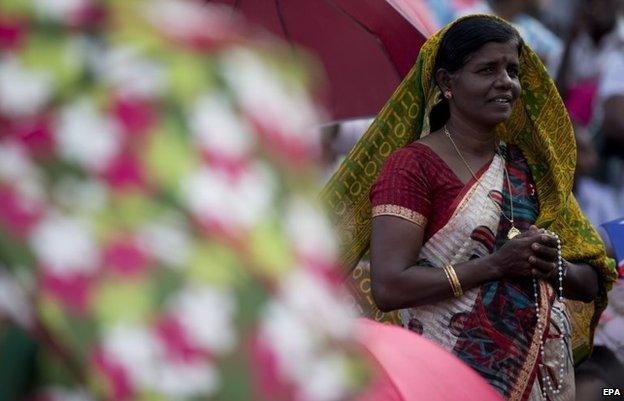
[(598, 201)]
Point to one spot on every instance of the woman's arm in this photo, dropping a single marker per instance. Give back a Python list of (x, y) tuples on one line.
[(399, 282), (580, 282)]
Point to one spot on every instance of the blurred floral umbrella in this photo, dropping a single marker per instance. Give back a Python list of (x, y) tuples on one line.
[(366, 46), (412, 368), (158, 235)]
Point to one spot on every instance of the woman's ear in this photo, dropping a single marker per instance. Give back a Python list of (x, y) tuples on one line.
[(443, 79)]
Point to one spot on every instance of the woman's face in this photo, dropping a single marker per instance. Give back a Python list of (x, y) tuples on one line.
[(485, 89)]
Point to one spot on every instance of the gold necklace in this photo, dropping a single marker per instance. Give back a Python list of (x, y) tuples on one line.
[(513, 231)]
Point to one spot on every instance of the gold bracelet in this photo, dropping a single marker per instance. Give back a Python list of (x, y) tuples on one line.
[(457, 287), (448, 277), (452, 277)]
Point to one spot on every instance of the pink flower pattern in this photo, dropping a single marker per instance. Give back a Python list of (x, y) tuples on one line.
[(109, 156)]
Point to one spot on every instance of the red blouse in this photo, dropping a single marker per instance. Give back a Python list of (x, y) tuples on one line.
[(417, 185)]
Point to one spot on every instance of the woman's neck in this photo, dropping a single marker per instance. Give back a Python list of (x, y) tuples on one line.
[(471, 139)]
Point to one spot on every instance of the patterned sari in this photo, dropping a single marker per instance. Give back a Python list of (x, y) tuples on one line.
[(493, 327)]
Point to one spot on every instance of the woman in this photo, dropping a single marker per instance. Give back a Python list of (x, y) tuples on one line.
[(455, 247)]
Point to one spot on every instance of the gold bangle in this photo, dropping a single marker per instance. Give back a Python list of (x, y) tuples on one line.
[(448, 277), (458, 288), (452, 277)]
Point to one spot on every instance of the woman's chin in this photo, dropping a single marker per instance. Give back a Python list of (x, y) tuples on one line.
[(491, 123), (498, 118)]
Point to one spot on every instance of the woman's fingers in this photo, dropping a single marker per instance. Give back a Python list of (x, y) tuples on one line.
[(542, 236), (544, 268), (546, 253), (537, 248), (548, 240), (532, 231)]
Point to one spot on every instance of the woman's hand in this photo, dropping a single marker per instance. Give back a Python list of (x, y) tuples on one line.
[(545, 256), (534, 253), (530, 254)]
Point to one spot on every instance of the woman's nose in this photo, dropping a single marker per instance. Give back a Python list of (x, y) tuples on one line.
[(504, 80)]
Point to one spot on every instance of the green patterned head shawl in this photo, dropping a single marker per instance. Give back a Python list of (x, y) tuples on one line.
[(539, 126)]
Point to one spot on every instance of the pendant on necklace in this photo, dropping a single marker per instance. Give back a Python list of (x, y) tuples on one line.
[(513, 231)]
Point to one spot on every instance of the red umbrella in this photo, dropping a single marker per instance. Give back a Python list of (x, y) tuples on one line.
[(417, 12), (366, 46), (412, 368)]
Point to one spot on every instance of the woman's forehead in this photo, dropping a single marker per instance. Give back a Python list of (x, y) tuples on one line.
[(495, 51)]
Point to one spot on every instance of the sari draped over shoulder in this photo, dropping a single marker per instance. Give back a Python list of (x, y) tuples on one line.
[(493, 327)]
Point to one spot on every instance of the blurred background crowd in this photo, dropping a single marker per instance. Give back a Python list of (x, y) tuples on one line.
[(126, 214)]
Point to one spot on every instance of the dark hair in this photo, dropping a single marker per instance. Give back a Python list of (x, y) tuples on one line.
[(460, 42)]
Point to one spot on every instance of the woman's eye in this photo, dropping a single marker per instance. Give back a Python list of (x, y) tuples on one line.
[(487, 70), (513, 72)]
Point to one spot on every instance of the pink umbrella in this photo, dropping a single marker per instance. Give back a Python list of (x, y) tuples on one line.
[(412, 368), (366, 46)]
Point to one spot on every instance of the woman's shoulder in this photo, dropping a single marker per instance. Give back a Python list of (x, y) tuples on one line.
[(413, 154), (415, 162)]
